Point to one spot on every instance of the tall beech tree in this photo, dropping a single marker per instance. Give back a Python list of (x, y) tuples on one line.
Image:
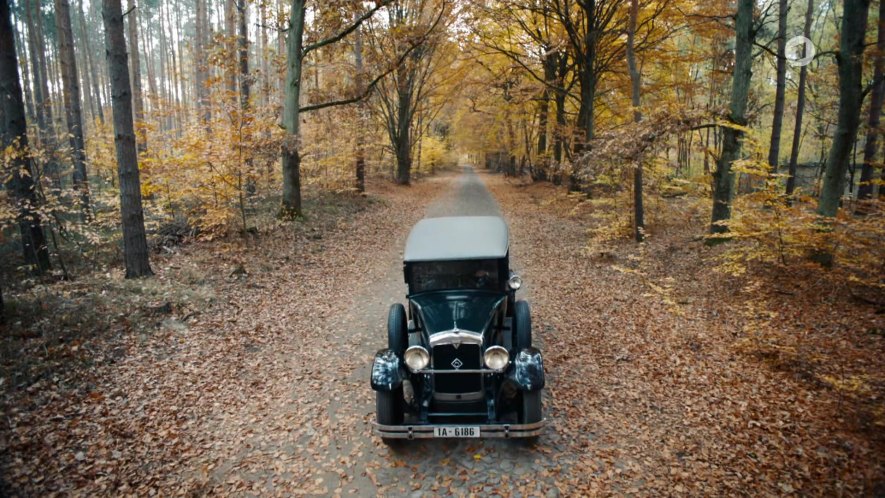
[(723, 177), (71, 96), (135, 250), (14, 139), (850, 61)]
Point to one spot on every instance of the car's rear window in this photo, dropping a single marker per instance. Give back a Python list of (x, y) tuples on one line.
[(442, 275)]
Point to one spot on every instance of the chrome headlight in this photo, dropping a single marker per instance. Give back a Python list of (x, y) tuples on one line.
[(514, 283), (416, 358), (496, 358)]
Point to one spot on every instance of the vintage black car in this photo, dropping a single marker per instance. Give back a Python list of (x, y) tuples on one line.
[(459, 360)]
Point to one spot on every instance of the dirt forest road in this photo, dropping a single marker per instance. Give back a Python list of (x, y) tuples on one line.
[(266, 393)]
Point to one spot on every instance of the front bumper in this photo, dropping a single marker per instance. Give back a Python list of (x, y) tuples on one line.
[(425, 431)]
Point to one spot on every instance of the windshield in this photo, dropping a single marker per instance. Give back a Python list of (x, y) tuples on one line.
[(462, 310), (479, 274)]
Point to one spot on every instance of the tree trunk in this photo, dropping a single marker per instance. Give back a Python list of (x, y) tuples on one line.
[(850, 59), (175, 95), (42, 106), (291, 203), (73, 113), (137, 100), (90, 62), (22, 57), (876, 101), (723, 177), (587, 75), (146, 43), (636, 87), (543, 115), (243, 55), (135, 250), (360, 151), (200, 63), (778, 119), (800, 108), (263, 53), (13, 133), (230, 34), (401, 140)]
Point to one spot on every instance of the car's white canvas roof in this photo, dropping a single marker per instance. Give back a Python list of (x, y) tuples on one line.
[(457, 237)]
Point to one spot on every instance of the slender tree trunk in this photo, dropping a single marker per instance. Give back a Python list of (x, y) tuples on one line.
[(138, 101), (23, 66), (73, 113), (865, 191), (230, 34), (361, 110), (723, 177), (543, 115), (800, 108), (850, 59), (636, 87), (291, 203), (781, 86), (135, 250), (401, 139), (146, 43), (587, 75), (202, 70), (82, 63), (263, 53), (180, 78), (96, 87), (174, 86), (13, 133), (243, 55), (559, 129), (42, 103)]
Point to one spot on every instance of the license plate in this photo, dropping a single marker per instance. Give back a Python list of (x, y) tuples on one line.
[(456, 432)]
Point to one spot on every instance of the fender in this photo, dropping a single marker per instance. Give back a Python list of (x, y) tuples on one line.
[(528, 370), (387, 372)]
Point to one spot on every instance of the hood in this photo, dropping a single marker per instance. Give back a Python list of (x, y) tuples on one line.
[(464, 310)]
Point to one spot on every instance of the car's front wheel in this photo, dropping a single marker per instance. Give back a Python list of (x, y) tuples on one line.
[(531, 407), (522, 323), (389, 409), (397, 334)]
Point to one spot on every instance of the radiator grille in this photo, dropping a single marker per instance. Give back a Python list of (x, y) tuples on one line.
[(468, 357)]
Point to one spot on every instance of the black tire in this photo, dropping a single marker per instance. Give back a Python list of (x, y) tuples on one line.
[(389, 407), (531, 407), (397, 335), (522, 325), (389, 410)]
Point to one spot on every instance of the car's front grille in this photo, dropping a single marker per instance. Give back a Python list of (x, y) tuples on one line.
[(464, 357)]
